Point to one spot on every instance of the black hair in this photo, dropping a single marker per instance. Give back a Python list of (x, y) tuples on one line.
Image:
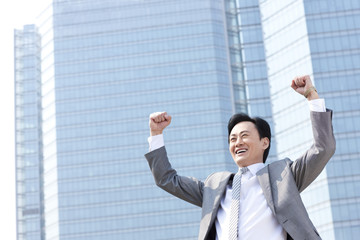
[(261, 125)]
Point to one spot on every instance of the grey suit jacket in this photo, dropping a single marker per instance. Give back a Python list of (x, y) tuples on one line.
[(281, 182)]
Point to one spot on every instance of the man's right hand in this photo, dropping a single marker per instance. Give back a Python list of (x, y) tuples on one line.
[(158, 122)]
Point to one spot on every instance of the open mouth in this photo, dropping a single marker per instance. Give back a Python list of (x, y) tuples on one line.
[(240, 151)]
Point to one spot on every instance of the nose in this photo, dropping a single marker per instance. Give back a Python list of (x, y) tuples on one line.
[(239, 141)]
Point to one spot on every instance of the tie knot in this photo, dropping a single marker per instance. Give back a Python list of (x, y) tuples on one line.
[(243, 170)]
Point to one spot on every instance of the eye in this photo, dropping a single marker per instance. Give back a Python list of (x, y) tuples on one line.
[(232, 139)]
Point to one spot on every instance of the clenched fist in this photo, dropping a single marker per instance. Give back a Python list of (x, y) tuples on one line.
[(158, 122), (304, 86)]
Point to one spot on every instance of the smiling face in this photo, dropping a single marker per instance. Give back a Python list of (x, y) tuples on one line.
[(245, 144)]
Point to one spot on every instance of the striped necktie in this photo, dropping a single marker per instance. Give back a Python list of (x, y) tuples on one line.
[(235, 204)]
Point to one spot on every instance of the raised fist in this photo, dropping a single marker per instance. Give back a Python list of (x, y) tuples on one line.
[(158, 121), (304, 86)]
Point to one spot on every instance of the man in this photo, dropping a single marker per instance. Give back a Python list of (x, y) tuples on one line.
[(259, 202)]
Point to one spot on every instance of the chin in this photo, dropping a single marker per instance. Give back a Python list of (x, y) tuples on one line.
[(241, 162)]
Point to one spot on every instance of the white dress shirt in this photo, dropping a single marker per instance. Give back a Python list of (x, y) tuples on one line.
[(256, 220)]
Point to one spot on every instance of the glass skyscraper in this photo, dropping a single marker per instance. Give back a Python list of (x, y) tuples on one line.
[(28, 137), (106, 65), (254, 64), (320, 38)]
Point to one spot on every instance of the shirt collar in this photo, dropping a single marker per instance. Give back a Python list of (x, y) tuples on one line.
[(254, 168)]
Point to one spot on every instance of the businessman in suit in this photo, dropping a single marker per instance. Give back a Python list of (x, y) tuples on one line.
[(270, 205)]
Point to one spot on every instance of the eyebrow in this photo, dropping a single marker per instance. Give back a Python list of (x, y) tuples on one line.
[(233, 134)]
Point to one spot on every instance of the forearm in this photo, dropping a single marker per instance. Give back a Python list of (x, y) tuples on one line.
[(306, 168), (188, 189)]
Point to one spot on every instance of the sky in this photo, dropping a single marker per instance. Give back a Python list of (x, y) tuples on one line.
[(13, 14)]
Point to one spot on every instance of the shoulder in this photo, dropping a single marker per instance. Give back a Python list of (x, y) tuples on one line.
[(280, 165), (282, 162), (217, 177)]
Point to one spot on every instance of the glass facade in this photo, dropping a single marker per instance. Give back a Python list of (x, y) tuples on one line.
[(254, 64), (28, 138), (81, 127), (319, 38), (334, 40), (106, 65)]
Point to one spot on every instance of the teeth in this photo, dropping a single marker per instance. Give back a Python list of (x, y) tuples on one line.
[(240, 151)]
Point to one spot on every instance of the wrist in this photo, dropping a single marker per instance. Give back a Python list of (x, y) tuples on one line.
[(311, 94), (154, 133)]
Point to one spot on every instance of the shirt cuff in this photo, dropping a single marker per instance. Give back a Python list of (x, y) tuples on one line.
[(156, 142), (317, 105)]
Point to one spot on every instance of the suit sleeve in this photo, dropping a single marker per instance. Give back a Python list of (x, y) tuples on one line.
[(306, 168), (186, 188)]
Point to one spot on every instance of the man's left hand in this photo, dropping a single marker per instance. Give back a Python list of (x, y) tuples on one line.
[(304, 86)]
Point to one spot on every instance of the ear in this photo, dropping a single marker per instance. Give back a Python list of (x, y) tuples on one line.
[(265, 142)]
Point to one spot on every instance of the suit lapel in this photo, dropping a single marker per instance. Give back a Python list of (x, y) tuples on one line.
[(264, 180), (213, 199), (218, 195)]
